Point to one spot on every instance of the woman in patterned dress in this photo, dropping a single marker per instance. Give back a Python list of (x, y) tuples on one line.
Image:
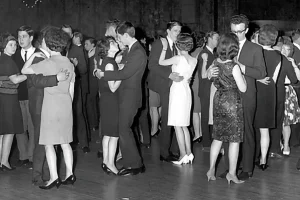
[(228, 112)]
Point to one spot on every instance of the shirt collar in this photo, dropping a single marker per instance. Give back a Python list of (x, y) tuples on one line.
[(210, 49), (30, 51), (297, 45), (241, 43), (170, 42), (45, 52), (129, 46)]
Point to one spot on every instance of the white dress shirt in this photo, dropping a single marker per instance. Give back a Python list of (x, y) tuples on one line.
[(30, 51)]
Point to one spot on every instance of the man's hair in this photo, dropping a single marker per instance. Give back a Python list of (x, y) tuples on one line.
[(173, 23), (56, 39), (240, 19), (92, 40), (114, 23), (295, 35), (67, 26), (27, 29), (268, 34), (78, 35), (126, 27), (228, 46), (288, 42)]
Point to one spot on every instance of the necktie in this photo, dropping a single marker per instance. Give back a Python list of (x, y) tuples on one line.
[(174, 50), (25, 56)]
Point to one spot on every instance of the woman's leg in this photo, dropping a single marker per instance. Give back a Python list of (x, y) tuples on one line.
[(286, 137), (233, 154), (105, 141), (196, 125), (112, 148), (1, 145), (214, 152), (68, 157), (187, 140), (181, 141), (6, 147), (154, 120), (51, 160), (264, 144)]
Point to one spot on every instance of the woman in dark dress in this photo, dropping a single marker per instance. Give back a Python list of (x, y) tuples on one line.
[(228, 112), (10, 112), (109, 104), (265, 116)]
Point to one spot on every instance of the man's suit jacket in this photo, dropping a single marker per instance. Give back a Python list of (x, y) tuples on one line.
[(81, 69), (251, 56), (296, 54), (158, 77), (131, 75)]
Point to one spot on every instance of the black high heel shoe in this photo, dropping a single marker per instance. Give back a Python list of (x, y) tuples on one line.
[(198, 140), (70, 180), (56, 183), (263, 167), (4, 168), (156, 133), (107, 170)]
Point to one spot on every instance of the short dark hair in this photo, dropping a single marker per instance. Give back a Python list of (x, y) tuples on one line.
[(210, 34), (27, 29), (92, 40), (228, 46), (78, 34), (173, 23), (240, 19), (56, 39), (184, 42), (114, 23), (103, 46), (67, 26), (199, 38), (41, 33), (268, 34), (295, 34), (288, 42), (126, 27)]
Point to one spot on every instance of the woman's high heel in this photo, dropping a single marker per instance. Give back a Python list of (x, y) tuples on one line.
[(210, 176), (198, 140), (234, 179), (183, 160), (191, 158), (56, 183), (70, 180)]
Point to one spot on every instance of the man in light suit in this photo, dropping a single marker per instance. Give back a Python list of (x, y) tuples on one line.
[(130, 96)]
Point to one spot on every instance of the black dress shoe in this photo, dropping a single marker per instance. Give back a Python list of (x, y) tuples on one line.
[(168, 159), (223, 175), (131, 171), (4, 168), (275, 155), (37, 182), (298, 165), (20, 163), (198, 140), (86, 149), (99, 154), (147, 146), (56, 183), (70, 180), (173, 155), (244, 175)]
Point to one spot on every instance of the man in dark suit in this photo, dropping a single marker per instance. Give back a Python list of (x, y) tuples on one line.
[(130, 96), (160, 79), (77, 55), (251, 61), (295, 128)]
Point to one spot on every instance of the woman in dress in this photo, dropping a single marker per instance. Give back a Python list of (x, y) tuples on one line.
[(109, 112), (180, 100), (228, 112), (291, 108), (10, 112), (57, 117), (265, 116)]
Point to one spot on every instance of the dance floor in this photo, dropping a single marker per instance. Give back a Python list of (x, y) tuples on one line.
[(161, 181)]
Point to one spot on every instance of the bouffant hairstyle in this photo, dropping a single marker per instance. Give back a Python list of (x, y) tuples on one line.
[(288, 42), (103, 46), (268, 34), (126, 27), (4, 39), (173, 23), (27, 29), (228, 46), (56, 39), (240, 19), (184, 42)]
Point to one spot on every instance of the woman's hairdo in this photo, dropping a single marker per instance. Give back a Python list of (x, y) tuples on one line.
[(56, 39), (228, 46), (4, 39), (267, 35), (184, 42), (103, 46)]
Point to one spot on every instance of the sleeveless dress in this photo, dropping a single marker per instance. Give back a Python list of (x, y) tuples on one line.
[(109, 104), (228, 112), (180, 99)]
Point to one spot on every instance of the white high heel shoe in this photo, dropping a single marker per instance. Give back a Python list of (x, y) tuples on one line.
[(183, 160), (191, 158)]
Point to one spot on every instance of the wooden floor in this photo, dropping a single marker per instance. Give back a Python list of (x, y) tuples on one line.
[(162, 181)]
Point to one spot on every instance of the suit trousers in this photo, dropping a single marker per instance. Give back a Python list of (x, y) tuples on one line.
[(143, 123), (275, 134), (167, 140), (130, 154), (205, 101), (26, 142), (92, 109), (295, 128), (79, 118)]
